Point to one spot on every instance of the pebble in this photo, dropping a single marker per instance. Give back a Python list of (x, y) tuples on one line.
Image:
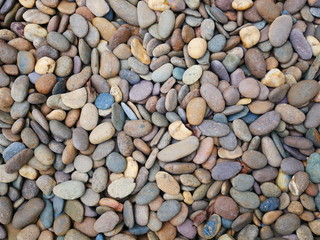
[(28, 214), (225, 170), (254, 159), (69, 190), (300, 44), (213, 97), (242, 182), (140, 91), (146, 17), (79, 25), (226, 207), (312, 167), (196, 110), (197, 48), (121, 187), (302, 92), (178, 150), (249, 36), (167, 183), (279, 30), (192, 74), (287, 224), (168, 210), (269, 204), (256, 63), (265, 124), (101, 133), (245, 199), (98, 8), (212, 226), (159, 119), (6, 210)]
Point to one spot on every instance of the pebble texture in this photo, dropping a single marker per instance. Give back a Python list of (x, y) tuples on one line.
[(159, 119)]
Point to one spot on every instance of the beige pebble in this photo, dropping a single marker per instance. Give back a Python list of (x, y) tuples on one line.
[(249, 36), (45, 65), (274, 78), (178, 130), (242, 4), (197, 47)]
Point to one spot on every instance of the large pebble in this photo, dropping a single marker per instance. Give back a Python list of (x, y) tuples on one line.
[(245, 199), (28, 214), (265, 124), (287, 224), (213, 97), (69, 190), (302, 92), (225, 170), (121, 187), (300, 44), (313, 167), (178, 150), (279, 30)]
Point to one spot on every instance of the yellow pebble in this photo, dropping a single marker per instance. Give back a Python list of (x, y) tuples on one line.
[(139, 52), (27, 3), (132, 168), (241, 4), (187, 197), (178, 130), (45, 65), (158, 5), (116, 93), (244, 101), (28, 172), (250, 36)]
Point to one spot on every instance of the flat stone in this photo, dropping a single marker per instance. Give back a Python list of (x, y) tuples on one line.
[(106, 222), (287, 224), (312, 167), (121, 187), (28, 214), (168, 210), (79, 25), (279, 30), (245, 199), (300, 44), (167, 183), (125, 10), (226, 207), (302, 92), (265, 124), (178, 150), (69, 190), (225, 170), (213, 97), (98, 8), (147, 194)]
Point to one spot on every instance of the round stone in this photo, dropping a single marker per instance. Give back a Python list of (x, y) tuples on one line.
[(197, 48), (116, 162), (168, 210), (121, 187), (69, 190), (192, 74), (250, 36), (287, 224)]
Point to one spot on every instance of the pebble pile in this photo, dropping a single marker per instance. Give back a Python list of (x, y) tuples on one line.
[(159, 119)]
